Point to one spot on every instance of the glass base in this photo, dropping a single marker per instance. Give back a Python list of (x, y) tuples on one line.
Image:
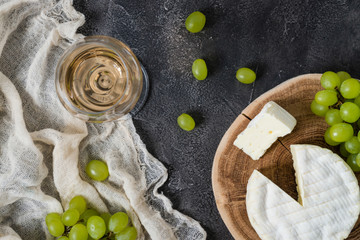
[(144, 93)]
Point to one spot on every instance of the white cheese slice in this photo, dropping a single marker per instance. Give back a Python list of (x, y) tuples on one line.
[(329, 199), (271, 123)]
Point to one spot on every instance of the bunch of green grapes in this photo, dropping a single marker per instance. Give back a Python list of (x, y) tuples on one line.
[(82, 223), (339, 103)]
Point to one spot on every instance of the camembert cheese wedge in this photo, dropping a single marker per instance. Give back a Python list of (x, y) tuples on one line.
[(329, 199), (271, 123)]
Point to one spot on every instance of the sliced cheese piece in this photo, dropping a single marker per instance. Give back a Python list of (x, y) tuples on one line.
[(329, 199), (271, 123)]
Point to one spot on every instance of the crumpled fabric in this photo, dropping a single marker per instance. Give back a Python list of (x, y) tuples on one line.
[(44, 149)]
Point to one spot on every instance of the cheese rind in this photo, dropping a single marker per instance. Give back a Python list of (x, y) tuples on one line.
[(271, 123), (329, 197)]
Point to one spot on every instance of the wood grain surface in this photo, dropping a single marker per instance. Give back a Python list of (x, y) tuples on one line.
[(232, 167)]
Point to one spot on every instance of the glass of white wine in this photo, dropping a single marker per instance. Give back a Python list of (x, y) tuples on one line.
[(99, 79)]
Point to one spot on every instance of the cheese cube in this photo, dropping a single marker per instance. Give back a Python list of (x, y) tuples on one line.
[(271, 123)]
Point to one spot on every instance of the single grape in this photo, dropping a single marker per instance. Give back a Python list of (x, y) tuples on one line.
[(333, 117), (118, 222), (199, 69), (351, 161), (52, 216), (343, 150), (88, 213), (96, 227), (97, 170), (357, 101), (106, 217), (352, 145), (78, 203), (63, 238), (349, 112), (195, 22), (357, 159), (245, 75), (350, 88), (328, 139), (55, 227), (129, 233), (326, 97), (186, 122), (343, 76), (330, 80), (78, 232), (318, 109), (341, 132), (70, 217)]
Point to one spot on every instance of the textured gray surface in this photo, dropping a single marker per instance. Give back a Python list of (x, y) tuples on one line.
[(278, 39)]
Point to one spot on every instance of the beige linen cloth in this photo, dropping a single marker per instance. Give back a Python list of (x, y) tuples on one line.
[(43, 149)]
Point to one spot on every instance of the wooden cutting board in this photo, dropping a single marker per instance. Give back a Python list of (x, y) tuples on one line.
[(232, 167)]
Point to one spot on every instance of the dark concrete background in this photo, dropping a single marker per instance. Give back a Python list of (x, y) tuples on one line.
[(277, 39)]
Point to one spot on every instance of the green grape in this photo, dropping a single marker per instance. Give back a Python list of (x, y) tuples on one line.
[(326, 97), (106, 217), (357, 101), (88, 213), (350, 88), (328, 139), (78, 203), (333, 117), (343, 150), (129, 233), (330, 80), (97, 170), (245, 75), (55, 227), (343, 76), (70, 217), (63, 238), (52, 216), (352, 145), (349, 112), (118, 222), (96, 227), (78, 232), (199, 69), (186, 122), (318, 109), (357, 159), (351, 161), (341, 132), (195, 22)]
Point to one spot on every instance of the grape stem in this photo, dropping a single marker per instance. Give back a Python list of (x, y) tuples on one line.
[(341, 100), (108, 236), (67, 231)]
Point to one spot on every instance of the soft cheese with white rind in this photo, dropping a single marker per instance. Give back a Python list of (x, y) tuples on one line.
[(271, 123), (329, 199)]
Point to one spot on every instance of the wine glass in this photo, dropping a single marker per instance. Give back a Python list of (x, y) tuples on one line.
[(99, 79)]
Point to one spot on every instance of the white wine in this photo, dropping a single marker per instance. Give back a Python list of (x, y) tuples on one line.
[(99, 79), (96, 79)]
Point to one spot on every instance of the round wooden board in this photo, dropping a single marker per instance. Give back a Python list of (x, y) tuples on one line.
[(232, 167)]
